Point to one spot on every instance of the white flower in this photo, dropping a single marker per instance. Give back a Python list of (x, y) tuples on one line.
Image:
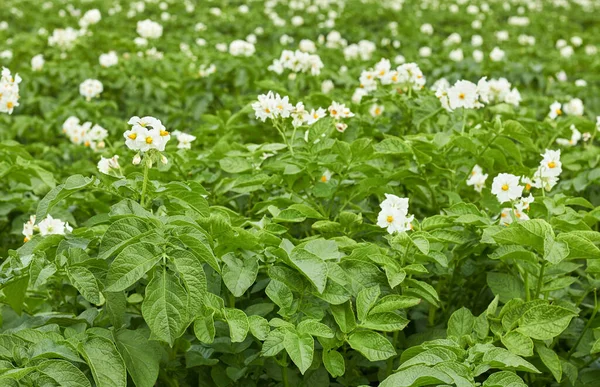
[(326, 176), (283, 107), (9, 91), (551, 163), (185, 140), (497, 54), (506, 187), (241, 48), (29, 228), (326, 86), (394, 214), (478, 56), (51, 226), (90, 88), (341, 127), (265, 107), (456, 55), (107, 166), (477, 178), (395, 202), (376, 110), (574, 107), (338, 111), (146, 133), (64, 39), (555, 110), (575, 137), (91, 17), (109, 59), (315, 115), (463, 95), (37, 62), (137, 159), (149, 29)]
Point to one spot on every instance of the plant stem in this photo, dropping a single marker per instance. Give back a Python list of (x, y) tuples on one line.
[(464, 120), (284, 373), (145, 183), (574, 347), (540, 280)]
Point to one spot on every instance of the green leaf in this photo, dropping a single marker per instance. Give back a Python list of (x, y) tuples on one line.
[(313, 267), (235, 165), (334, 363), (105, 362), (300, 347), (387, 322), (365, 300), (530, 233), (371, 345), (71, 185), (461, 323), (122, 233), (314, 328), (191, 272), (280, 294), (392, 146), (14, 293), (394, 302), (131, 265), (504, 379), (141, 356), (550, 360), (518, 343), (238, 324), (545, 322), (239, 274), (164, 307), (274, 342), (259, 327), (579, 246), (63, 373), (555, 251), (505, 360), (192, 240), (505, 286), (416, 376), (84, 281), (344, 316), (189, 193), (204, 328)]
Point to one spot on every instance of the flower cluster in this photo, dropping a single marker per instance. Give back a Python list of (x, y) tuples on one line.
[(363, 50), (241, 48), (477, 178), (463, 94), (407, 76), (272, 106), (547, 173), (501, 91), (48, 226), (394, 214), (298, 62), (93, 16), (85, 134), (149, 29), (9, 91), (146, 133), (90, 88), (109, 59), (64, 39), (205, 71), (37, 62), (185, 139), (574, 108), (575, 137), (506, 187)]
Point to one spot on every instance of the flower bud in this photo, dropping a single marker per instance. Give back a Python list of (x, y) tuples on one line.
[(137, 159)]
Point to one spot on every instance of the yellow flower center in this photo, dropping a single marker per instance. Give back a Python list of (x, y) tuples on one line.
[(324, 179), (149, 140), (558, 112), (334, 112), (551, 164), (132, 136), (9, 105), (527, 186), (377, 111), (267, 110), (389, 219), (505, 187), (164, 133), (87, 143), (461, 96)]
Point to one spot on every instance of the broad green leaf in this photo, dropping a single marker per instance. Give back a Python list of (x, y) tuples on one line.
[(274, 342), (204, 328), (314, 328), (14, 293), (550, 360), (504, 379), (461, 323), (259, 327), (394, 302), (63, 373), (191, 272), (238, 324), (344, 316), (189, 193), (313, 267), (580, 247), (518, 343), (371, 345), (71, 185), (239, 274), (122, 233), (300, 347), (200, 249), (280, 294), (50, 349), (555, 251), (105, 362), (141, 356), (505, 286), (416, 376), (131, 265), (431, 357), (505, 360), (84, 281), (334, 363), (545, 322), (164, 307), (386, 322), (365, 300)]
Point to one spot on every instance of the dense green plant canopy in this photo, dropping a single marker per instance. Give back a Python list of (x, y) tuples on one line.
[(299, 193)]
